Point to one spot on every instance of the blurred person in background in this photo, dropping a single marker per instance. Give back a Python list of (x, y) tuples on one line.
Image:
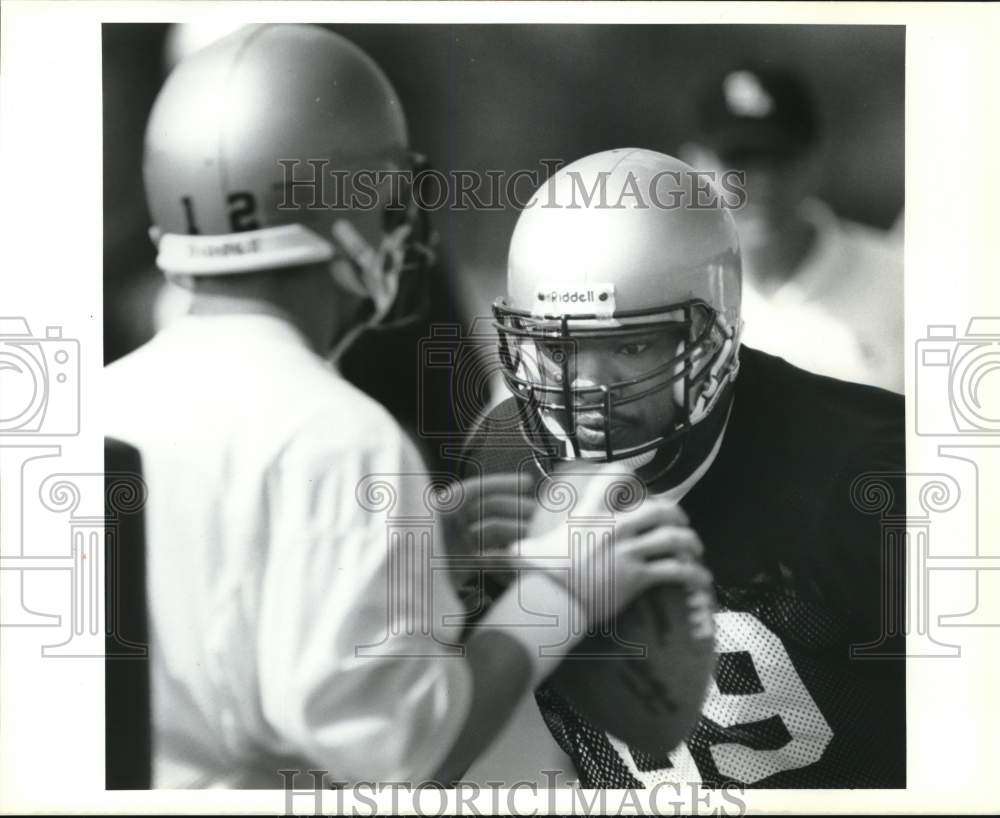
[(824, 293)]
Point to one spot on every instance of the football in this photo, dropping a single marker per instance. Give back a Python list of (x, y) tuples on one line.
[(645, 681), (644, 675)]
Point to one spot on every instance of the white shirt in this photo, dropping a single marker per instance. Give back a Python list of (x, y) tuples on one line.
[(264, 570), (841, 314)]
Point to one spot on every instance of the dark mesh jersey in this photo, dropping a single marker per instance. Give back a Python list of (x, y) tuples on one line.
[(807, 570)]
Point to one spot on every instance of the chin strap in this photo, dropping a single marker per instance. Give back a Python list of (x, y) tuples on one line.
[(375, 273), (378, 269), (661, 481)]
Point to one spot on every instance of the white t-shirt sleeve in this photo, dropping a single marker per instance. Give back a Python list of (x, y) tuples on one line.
[(351, 677)]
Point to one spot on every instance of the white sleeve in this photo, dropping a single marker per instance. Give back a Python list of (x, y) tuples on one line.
[(347, 679)]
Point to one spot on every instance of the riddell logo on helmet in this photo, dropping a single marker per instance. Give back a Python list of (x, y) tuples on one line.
[(595, 299), (588, 296)]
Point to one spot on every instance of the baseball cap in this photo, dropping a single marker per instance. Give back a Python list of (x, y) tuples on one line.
[(752, 109)]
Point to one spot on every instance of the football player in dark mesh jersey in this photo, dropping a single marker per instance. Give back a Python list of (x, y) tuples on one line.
[(620, 341)]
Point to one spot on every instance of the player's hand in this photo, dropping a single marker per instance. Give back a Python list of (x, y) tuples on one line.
[(495, 512), (652, 544)]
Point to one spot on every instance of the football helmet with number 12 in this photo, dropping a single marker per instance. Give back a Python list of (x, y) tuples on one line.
[(243, 147)]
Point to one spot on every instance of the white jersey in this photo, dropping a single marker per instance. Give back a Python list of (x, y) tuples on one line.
[(841, 314), (265, 569)]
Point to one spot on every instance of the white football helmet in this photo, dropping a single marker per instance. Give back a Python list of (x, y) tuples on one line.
[(588, 264), (237, 121)]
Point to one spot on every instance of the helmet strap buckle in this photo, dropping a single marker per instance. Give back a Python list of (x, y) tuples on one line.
[(378, 270)]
